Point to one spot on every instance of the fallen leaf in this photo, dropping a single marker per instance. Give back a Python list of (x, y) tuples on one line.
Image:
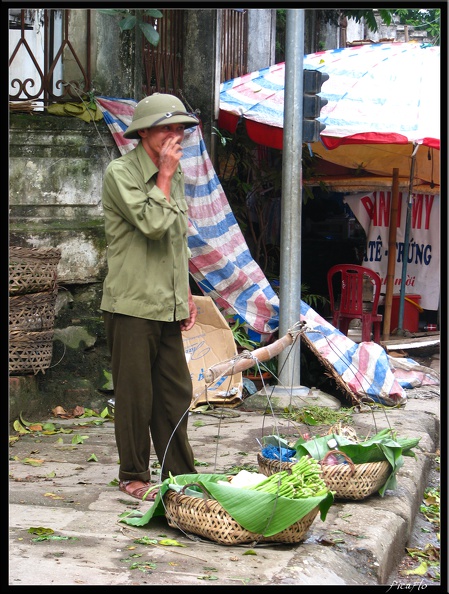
[(431, 500), (207, 577), (420, 570), (49, 427), (90, 412), (17, 425), (58, 411), (168, 542), (39, 530), (33, 461), (146, 540), (78, 411), (79, 439), (22, 420), (53, 537), (53, 496), (432, 552), (35, 427)]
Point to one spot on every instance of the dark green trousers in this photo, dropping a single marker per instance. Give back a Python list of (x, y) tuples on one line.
[(153, 393)]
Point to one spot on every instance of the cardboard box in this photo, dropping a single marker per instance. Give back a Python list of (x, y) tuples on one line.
[(211, 341)]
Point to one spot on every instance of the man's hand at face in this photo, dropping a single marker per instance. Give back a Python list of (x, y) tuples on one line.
[(170, 155)]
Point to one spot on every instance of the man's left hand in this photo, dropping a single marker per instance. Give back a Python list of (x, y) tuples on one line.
[(189, 322)]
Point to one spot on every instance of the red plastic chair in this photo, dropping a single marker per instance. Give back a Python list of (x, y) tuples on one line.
[(347, 302)]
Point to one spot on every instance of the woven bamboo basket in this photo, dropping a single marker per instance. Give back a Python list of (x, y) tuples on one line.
[(32, 270), (30, 352), (207, 518), (32, 312), (348, 481)]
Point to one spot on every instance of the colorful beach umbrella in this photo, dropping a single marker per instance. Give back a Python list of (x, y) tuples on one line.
[(383, 101)]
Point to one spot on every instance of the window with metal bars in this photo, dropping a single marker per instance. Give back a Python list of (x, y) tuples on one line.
[(41, 48), (234, 43), (163, 63)]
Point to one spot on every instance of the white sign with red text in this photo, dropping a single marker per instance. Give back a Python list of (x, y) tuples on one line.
[(372, 210)]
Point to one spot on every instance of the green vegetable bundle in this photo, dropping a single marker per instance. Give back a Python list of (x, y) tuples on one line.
[(303, 480)]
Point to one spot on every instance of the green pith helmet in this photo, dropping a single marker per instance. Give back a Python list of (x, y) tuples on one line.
[(156, 110)]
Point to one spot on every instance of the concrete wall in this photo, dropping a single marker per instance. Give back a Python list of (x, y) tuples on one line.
[(56, 170), (261, 38), (201, 67)]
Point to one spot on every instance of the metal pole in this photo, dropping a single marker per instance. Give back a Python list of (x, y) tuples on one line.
[(391, 254), (408, 222), (290, 259)]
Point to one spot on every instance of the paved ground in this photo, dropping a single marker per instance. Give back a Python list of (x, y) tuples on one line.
[(70, 488)]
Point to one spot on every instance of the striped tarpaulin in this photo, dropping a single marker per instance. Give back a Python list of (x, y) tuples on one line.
[(363, 367), (366, 368)]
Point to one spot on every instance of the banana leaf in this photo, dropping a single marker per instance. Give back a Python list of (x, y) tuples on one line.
[(381, 446), (256, 511)]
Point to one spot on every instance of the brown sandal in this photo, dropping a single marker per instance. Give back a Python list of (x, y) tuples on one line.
[(139, 492)]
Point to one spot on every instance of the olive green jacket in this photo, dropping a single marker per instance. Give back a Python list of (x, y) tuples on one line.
[(147, 252)]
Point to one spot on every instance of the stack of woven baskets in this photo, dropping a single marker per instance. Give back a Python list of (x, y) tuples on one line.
[(32, 298)]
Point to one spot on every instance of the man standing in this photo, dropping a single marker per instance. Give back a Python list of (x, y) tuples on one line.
[(146, 296)]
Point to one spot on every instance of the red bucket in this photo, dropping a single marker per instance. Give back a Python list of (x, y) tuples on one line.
[(412, 309)]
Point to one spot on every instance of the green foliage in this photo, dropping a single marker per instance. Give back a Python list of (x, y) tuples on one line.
[(312, 299), (427, 19), (134, 18), (240, 334), (418, 18), (320, 415), (368, 17)]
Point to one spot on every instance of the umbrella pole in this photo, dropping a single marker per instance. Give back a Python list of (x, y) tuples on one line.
[(391, 254), (406, 244)]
